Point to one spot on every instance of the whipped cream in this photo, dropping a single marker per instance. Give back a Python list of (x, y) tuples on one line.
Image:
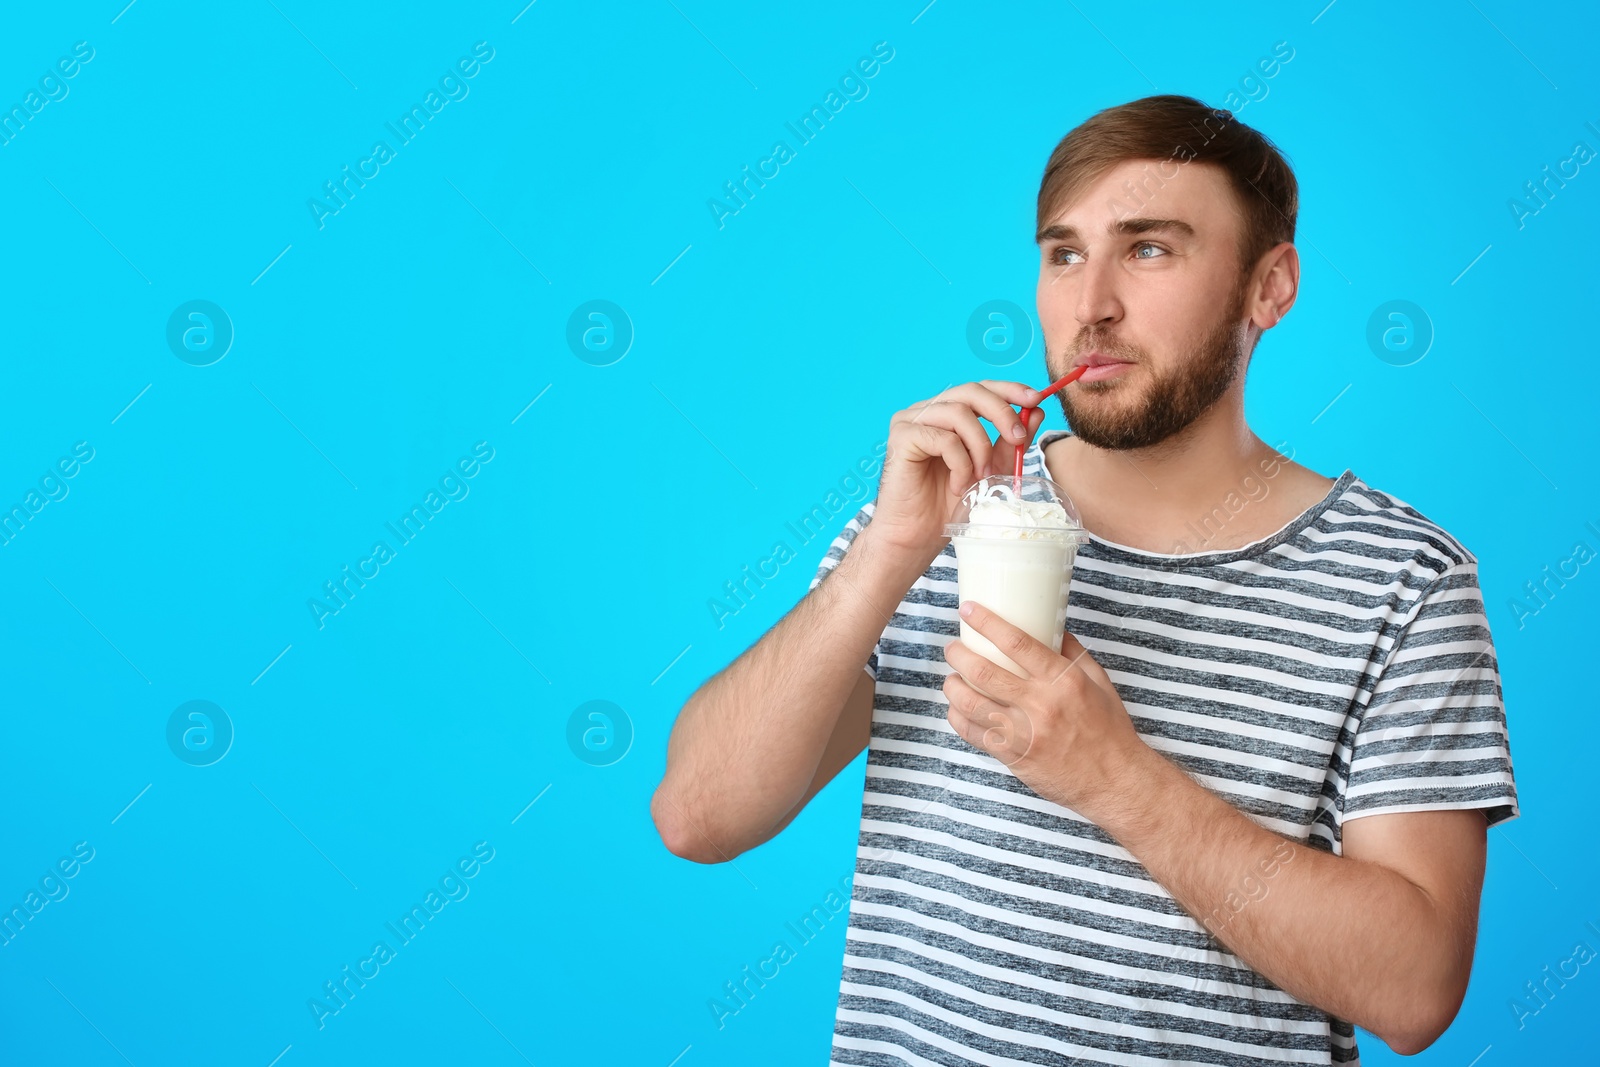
[(998, 507)]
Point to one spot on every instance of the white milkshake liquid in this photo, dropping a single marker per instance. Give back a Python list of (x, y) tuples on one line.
[(1015, 543), (1025, 582)]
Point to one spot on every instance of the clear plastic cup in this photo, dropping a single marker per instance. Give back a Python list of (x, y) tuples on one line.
[(1015, 556)]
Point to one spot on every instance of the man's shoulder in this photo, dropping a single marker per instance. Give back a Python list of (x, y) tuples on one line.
[(1399, 530)]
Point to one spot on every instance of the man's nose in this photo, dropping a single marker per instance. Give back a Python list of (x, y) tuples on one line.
[(1097, 293)]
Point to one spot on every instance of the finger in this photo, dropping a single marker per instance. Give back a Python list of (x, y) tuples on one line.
[(959, 419), (988, 458), (1023, 650), (992, 400), (916, 451), (982, 672), (963, 713), (997, 729), (995, 404), (935, 441), (1078, 658), (1018, 394), (964, 727)]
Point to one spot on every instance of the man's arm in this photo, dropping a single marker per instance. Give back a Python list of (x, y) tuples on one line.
[(851, 734), (748, 749), (1381, 937)]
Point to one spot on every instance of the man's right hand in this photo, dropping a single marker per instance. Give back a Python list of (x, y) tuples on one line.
[(937, 449)]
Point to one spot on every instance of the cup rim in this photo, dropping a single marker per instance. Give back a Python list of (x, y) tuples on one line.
[(1074, 534)]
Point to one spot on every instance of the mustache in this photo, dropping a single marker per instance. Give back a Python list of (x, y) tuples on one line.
[(1100, 342), (1092, 342)]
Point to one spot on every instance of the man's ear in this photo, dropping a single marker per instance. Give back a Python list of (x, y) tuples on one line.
[(1274, 285)]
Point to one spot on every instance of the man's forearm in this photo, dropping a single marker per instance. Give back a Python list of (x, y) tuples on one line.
[(745, 747), (1356, 939)]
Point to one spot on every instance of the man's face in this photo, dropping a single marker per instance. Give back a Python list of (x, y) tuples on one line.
[(1150, 279)]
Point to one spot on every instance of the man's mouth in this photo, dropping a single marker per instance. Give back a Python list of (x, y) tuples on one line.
[(1100, 366), (1096, 359)]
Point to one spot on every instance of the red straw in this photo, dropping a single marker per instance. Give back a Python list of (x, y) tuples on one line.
[(1066, 379)]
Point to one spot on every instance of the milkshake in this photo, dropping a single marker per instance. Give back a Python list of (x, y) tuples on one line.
[(1015, 541)]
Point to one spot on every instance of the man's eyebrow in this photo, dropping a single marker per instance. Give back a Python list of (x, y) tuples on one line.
[(1058, 232), (1147, 225)]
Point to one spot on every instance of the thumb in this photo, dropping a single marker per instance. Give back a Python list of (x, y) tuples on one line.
[(1003, 459)]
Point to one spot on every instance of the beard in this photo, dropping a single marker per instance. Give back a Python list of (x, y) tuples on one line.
[(1171, 402)]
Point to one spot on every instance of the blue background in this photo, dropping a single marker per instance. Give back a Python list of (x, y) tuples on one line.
[(428, 314)]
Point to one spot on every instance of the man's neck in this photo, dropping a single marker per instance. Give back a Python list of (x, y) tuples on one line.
[(1214, 486)]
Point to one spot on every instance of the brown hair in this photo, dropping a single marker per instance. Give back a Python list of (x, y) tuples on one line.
[(1179, 128)]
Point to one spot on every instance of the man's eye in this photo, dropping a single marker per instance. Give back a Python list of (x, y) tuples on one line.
[(1141, 246), (1056, 257)]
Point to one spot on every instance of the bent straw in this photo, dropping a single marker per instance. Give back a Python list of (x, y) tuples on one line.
[(1066, 379)]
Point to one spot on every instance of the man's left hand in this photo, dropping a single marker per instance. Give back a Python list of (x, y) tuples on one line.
[(1062, 729)]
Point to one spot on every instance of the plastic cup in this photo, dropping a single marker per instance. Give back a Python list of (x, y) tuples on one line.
[(1015, 542)]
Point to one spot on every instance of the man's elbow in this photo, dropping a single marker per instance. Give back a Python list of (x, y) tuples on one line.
[(679, 834), (1426, 1027), (1412, 1043)]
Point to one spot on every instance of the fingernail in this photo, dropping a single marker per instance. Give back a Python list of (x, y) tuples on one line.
[(966, 608), (1019, 431)]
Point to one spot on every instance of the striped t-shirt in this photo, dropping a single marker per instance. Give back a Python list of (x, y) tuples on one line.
[(1339, 667)]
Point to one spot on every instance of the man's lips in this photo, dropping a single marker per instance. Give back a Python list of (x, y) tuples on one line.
[(1099, 366), (1096, 359)]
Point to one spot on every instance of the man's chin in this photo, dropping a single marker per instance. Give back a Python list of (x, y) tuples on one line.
[(1109, 420), (1112, 395)]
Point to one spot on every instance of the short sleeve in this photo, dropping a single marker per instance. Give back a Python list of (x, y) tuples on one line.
[(835, 553), (1434, 736)]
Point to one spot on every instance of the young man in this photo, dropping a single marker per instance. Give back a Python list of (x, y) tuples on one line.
[(1244, 805)]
